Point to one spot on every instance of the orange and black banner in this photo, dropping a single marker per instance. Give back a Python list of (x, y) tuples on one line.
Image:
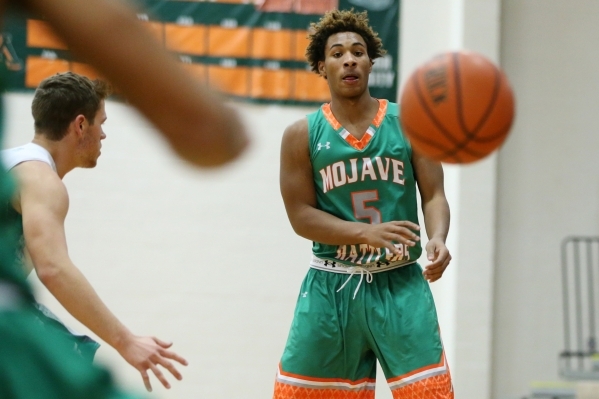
[(247, 49)]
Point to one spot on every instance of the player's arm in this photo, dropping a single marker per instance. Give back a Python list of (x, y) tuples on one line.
[(107, 35), (44, 202), (299, 195), (429, 176)]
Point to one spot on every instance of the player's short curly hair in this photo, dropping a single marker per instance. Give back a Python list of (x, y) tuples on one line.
[(336, 21)]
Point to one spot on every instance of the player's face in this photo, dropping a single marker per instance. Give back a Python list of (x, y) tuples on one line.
[(92, 139), (346, 65)]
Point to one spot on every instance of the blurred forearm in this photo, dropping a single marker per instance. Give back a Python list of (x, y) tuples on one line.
[(107, 35)]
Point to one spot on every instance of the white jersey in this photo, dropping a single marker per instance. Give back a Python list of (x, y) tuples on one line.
[(28, 152), (11, 158)]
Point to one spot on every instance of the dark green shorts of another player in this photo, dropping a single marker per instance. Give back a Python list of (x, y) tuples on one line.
[(37, 362)]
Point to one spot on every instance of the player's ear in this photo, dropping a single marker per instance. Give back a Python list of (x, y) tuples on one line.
[(321, 70), (79, 124)]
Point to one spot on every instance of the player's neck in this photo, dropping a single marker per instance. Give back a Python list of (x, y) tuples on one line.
[(354, 110), (60, 151)]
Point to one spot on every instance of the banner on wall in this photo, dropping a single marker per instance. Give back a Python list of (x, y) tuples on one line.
[(252, 50)]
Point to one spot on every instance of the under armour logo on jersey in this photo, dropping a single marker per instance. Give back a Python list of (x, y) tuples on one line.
[(327, 146), (304, 294)]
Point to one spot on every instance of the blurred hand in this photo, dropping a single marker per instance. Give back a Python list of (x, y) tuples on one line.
[(219, 138)]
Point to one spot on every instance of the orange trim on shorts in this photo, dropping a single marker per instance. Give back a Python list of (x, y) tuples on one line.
[(316, 379), (437, 386), (420, 370), (286, 391)]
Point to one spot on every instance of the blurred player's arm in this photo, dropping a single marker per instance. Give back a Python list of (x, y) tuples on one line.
[(299, 195), (108, 35), (429, 176), (43, 202)]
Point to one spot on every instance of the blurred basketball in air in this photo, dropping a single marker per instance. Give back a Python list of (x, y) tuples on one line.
[(457, 108)]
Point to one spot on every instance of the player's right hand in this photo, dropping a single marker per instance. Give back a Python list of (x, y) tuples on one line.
[(386, 235)]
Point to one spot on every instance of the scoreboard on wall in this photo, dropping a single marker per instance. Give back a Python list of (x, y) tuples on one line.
[(247, 49)]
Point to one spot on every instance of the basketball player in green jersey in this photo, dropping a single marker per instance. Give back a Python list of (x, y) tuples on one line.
[(348, 180), (35, 362)]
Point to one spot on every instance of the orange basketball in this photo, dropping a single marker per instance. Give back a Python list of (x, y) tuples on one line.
[(457, 107)]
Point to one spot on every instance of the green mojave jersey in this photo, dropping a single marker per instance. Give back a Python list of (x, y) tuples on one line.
[(369, 180)]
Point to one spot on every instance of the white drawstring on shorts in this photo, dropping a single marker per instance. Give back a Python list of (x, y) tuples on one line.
[(353, 270)]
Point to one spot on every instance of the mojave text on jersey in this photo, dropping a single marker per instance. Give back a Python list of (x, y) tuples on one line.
[(361, 169)]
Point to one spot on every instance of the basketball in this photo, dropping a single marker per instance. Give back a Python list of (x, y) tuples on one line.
[(457, 108)]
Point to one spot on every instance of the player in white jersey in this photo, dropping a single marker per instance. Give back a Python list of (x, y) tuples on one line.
[(68, 110), (83, 345)]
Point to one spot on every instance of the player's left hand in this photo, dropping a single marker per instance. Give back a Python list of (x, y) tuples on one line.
[(147, 353), (439, 256)]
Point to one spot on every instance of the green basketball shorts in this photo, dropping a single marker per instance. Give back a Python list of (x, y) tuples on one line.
[(37, 362), (81, 344), (336, 338)]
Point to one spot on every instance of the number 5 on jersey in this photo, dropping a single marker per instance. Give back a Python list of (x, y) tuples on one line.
[(361, 211)]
